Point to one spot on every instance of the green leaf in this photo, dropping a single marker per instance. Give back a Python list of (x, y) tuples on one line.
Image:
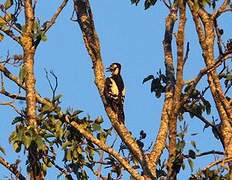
[(46, 108), (44, 167), (22, 74), (43, 37), (192, 154), (17, 147), (13, 137), (148, 78), (96, 127), (27, 141), (193, 143), (183, 166), (17, 119), (149, 3), (40, 143), (66, 144), (99, 120), (2, 22), (79, 149), (135, 2), (1, 37), (2, 150), (56, 98), (191, 164), (68, 155), (8, 4), (207, 106), (180, 145), (215, 133)]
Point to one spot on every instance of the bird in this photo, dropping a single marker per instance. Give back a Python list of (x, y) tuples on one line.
[(114, 91)]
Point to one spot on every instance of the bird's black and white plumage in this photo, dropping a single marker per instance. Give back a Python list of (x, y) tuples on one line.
[(115, 91)]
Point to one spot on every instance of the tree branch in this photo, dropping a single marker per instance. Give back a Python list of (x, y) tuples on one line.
[(12, 169), (224, 160), (16, 80), (105, 148), (177, 91), (223, 8), (11, 35), (206, 153), (167, 107), (206, 123), (50, 23), (86, 23)]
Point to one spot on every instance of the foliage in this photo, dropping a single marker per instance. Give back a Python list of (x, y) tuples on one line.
[(84, 141)]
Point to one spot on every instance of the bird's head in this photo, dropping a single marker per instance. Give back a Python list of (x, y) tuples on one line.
[(114, 68)]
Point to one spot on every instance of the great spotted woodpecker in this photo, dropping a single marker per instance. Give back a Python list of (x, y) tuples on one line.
[(115, 91)]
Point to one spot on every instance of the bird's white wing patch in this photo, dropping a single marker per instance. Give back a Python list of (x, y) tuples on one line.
[(114, 88)]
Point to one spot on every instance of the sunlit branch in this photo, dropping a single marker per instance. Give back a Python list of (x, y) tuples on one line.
[(203, 72), (167, 107), (91, 40), (223, 8), (12, 169), (12, 96), (52, 21), (220, 161), (105, 148), (11, 35), (16, 80)]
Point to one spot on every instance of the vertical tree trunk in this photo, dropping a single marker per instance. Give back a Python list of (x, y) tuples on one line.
[(29, 52)]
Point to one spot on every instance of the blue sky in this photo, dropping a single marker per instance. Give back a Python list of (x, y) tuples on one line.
[(128, 35)]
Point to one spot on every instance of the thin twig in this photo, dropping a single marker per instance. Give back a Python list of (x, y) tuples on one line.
[(203, 72), (54, 17), (53, 88), (186, 53), (11, 104), (206, 123), (206, 153)]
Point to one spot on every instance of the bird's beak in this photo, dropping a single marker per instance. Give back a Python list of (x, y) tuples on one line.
[(108, 69)]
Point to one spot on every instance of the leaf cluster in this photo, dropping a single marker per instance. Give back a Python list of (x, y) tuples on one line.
[(55, 133), (147, 3), (158, 84)]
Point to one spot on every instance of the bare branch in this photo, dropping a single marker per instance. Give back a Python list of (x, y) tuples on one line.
[(12, 96), (206, 123), (206, 153), (203, 72), (12, 168), (11, 104), (186, 53), (53, 88), (15, 79), (50, 23), (62, 170), (11, 35)]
